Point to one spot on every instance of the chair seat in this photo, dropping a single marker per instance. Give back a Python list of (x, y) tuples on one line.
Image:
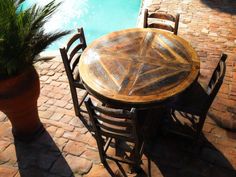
[(78, 84), (193, 100), (77, 80)]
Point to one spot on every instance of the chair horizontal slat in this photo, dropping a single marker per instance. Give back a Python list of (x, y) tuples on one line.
[(76, 55), (125, 137), (161, 26), (115, 129), (222, 69), (163, 16), (78, 84), (218, 74), (75, 62), (75, 50), (119, 159), (125, 123), (118, 113), (72, 40), (172, 22)]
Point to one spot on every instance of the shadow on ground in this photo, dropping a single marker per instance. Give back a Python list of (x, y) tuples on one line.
[(41, 158), (227, 6), (167, 154), (173, 156)]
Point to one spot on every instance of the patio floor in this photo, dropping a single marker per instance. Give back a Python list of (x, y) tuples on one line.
[(66, 149)]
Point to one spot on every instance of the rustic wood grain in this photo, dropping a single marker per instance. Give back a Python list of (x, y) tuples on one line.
[(161, 20), (138, 66)]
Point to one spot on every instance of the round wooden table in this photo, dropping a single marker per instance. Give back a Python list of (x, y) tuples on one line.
[(138, 67)]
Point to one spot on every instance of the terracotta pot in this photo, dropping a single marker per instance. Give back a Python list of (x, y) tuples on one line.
[(18, 100)]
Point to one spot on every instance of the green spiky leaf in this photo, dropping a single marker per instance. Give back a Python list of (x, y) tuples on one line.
[(22, 36)]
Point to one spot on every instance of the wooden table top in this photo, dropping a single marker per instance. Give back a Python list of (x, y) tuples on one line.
[(138, 66)]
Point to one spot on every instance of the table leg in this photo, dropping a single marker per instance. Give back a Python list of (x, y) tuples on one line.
[(151, 121)]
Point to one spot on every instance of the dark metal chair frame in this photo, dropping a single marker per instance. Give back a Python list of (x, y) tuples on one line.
[(70, 55), (117, 124), (161, 16), (205, 96)]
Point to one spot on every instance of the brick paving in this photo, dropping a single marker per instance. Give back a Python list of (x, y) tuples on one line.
[(67, 149)]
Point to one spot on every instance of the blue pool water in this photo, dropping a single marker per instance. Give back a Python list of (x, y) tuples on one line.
[(97, 17)]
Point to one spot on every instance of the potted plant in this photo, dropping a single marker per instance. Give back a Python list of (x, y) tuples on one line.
[(22, 38)]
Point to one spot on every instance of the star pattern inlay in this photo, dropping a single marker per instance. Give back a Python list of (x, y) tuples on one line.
[(143, 63)]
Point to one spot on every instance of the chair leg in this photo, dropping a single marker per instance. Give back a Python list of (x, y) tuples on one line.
[(121, 169), (85, 123), (149, 168), (117, 147), (200, 125), (137, 159), (108, 168)]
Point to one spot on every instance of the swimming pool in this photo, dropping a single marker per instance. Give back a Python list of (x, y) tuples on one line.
[(97, 17)]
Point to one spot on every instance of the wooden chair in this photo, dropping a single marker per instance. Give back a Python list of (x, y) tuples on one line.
[(119, 125), (161, 20), (195, 102), (70, 55)]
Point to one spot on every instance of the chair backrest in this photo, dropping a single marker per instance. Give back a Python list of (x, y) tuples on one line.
[(113, 123), (70, 55), (216, 79), (162, 18)]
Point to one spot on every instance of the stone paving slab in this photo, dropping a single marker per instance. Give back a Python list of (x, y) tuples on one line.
[(67, 149)]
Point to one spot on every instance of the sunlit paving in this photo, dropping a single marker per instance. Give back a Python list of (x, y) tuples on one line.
[(117, 88)]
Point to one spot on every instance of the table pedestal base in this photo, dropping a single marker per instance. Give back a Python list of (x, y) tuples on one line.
[(151, 121)]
